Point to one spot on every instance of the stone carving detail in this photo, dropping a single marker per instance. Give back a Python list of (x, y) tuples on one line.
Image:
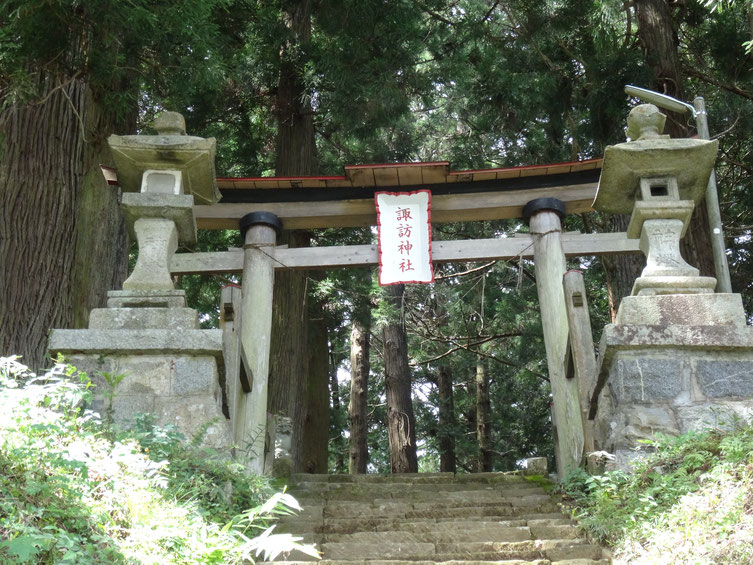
[(660, 241), (158, 240)]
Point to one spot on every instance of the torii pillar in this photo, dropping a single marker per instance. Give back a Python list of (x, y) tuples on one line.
[(260, 230), (543, 216)]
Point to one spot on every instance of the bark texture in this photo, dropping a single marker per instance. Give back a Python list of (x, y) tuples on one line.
[(359, 386), (316, 423), (334, 391), (62, 241), (446, 421), (483, 423), (289, 366), (295, 142), (401, 423), (289, 361)]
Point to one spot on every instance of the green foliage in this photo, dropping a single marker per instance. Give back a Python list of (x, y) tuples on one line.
[(544, 482), (686, 502), (111, 45), (71, 494)]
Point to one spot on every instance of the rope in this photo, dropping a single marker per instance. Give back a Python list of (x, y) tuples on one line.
[(536, 236), (260, 247)]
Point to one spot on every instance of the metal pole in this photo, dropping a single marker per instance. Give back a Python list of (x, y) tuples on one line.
[(721, 266)]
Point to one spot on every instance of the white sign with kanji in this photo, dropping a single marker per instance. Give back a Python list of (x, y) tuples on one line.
[(404, 228)]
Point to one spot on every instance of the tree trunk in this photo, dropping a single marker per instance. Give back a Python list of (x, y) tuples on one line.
[(446, 421), (295, 143), (288, 363), (483, 427), (295, 156), (658, 36), (401, 424), (359, 384), (334, 389), (62, 240), (316, 428)]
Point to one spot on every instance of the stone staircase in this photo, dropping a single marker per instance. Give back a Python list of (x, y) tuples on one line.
[(437, 518)]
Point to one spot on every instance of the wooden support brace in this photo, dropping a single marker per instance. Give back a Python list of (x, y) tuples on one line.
[(246, 374), (580, 347), (230, 319)]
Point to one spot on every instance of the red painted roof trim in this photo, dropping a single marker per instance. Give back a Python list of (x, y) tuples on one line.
[(302, 177)]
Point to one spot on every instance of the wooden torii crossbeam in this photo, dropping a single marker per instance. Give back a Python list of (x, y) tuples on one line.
[(348, 201)]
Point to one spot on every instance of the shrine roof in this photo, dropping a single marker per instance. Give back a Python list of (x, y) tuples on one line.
[(306, 202), (399, 175)]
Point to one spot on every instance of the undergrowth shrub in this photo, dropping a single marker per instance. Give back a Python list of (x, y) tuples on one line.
[(72, 491), (689, 501)]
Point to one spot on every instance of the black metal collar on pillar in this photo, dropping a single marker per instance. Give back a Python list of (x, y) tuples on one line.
[(551, 204), (263, 218)]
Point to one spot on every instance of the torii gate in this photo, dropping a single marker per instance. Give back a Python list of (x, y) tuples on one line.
[(262, 206), (669, 351)]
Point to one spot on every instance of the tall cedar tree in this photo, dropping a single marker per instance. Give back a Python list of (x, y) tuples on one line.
[(401, 423), (359, 384), (70, 75), (295, 156)]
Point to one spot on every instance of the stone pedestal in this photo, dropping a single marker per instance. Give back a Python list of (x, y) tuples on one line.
[(672, 364), (659, 224), (172, 369)]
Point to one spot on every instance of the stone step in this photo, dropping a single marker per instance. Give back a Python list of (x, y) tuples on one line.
[(362, 493), (433, 519), (411, 478), (454, 562), (502, 509), (490, 532), (371, 519), (349, 525), (409, 551)]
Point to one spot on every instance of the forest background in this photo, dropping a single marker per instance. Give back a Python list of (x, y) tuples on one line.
[(304, 87)]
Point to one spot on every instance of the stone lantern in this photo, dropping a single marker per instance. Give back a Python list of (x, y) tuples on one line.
[(162, 176), (171, 368), (679, 357), (659, 181)]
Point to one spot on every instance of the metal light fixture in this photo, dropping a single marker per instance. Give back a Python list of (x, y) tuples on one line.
[(660, 100)]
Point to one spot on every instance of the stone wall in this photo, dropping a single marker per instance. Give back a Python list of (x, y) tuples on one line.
[(671, 380), (182, 390)]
